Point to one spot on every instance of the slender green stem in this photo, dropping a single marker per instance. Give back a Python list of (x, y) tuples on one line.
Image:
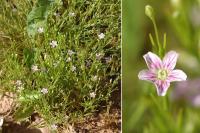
[(165, 102), (157, 38), (164, 42), (153, 42), (156, 31)]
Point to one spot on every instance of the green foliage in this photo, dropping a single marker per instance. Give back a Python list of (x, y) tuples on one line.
[(28, 57), (81, 64), (38, 16), (23, 113)]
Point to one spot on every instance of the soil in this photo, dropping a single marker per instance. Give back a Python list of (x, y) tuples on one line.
[(99, 123)]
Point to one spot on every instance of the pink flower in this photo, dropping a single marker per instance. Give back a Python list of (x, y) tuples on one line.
[(161, 72)]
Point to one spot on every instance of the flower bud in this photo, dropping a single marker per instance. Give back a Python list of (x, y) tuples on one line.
[(176, 3), (149, 12)]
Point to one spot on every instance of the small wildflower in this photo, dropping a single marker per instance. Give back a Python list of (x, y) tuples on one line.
[(71, 14), (99, 56), (54, 127), (70, 52), (92, 94), (161, 72), (73, 68), (53, 44), (108, 59), (40, 30), (18, 83), (101, 36), (88, 63), (68, 59), (44, 90), (34, 68), (1, 121), (94, 78)]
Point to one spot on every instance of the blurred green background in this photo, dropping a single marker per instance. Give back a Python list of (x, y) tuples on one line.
[(143, 110)]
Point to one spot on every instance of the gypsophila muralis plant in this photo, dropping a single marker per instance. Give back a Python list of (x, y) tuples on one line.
[(65, 61)]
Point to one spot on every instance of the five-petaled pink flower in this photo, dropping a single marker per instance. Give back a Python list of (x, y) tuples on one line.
[(161, 72)]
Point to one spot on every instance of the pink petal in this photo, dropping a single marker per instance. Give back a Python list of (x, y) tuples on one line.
[(147, 75), (152, 61), (169, 61), (177, 75), (162, 87)]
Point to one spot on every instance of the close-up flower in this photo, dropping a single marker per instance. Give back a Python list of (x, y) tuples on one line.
[(34, 68), (40, 30), (68, 59), (53, 44), (92, 94), (101, 36), (94, 78), (54, 127), (18, 83), (71, 14), (70, 52), (44, 90), (161, 72), (108, 59), (73, 68), (99, 56)]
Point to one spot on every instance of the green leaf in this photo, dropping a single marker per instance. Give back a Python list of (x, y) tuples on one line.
[(38, 16), (23, 112), (29, 56), (29, 96)]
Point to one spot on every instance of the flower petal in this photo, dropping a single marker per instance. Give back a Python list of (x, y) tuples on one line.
[(169, 61), (177, 75), (147, 75), (162, 87), (152, 61)]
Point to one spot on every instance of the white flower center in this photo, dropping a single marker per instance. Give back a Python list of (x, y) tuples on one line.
[(162, 74)]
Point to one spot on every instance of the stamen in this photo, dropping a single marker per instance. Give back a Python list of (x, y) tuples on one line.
[(162, 74)]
